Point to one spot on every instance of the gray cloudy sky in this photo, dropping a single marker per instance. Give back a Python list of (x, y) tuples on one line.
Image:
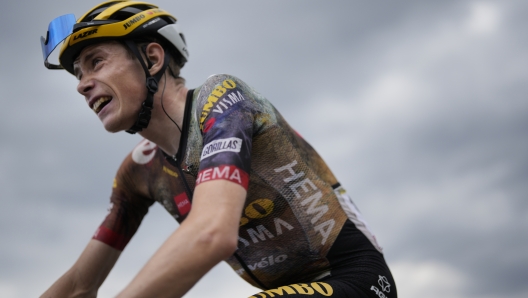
[(419, 107)]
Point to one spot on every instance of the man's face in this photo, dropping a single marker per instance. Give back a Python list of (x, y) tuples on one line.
[(113, 84)]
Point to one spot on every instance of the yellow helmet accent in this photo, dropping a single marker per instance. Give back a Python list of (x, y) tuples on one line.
[(116, 7), (122, 20)]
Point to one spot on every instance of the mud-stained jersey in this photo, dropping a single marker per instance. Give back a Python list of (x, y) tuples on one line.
[(295, 208)]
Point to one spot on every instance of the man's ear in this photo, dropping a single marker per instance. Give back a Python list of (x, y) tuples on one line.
[(156, 55)]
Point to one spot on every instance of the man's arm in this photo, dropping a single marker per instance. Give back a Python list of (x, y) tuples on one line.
[(206, 237), (87, 274)]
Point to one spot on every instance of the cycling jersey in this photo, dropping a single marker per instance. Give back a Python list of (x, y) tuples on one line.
[(298, 224)]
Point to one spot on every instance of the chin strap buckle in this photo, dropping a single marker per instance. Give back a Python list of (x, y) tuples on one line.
[(152, 85), (144, 114)]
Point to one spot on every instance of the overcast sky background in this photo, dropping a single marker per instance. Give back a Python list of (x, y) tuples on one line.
[(419, 107)]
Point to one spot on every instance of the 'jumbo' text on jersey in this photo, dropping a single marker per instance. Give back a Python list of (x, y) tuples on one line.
[(295, 208)]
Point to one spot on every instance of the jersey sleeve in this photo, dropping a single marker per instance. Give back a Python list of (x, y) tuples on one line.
[(226, 115), (128, 204)]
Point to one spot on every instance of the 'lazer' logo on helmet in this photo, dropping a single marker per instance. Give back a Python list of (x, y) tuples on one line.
[(133, 21), (87, 33)]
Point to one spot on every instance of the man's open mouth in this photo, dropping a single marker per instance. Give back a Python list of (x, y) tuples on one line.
[(100, 103)]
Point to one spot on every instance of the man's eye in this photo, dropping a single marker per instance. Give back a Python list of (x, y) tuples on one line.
[(95, 62)]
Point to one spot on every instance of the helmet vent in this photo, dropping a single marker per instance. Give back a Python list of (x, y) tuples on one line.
[(127, 12), (97, 11), (120, 15)]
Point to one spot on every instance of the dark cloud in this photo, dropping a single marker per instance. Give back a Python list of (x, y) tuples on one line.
[(418, 106)]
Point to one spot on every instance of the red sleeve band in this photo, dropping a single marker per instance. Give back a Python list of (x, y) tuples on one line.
[(225, 172), (111, 238)]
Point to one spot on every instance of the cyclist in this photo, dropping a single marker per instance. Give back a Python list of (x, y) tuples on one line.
[(262, 199)]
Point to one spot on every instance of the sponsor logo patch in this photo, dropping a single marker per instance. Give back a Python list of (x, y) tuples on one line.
[(151, 22), (183, 203), (265, 262), (133, 21), (83, 35), (144, 152), (300, 289), (260, 233), (309, 196), (257, 209), (170, 172), (385, 287), (384, 284), (225, 172), (213, 97), (221, 145), (228, 101)]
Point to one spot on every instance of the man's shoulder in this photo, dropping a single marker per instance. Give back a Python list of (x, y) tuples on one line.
[(144, 152), (142, 155), (140, 166), (219, 83), (218, 93), (219, 78)]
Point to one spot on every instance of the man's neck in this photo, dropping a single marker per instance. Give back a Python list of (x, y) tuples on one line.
[(161, 129)]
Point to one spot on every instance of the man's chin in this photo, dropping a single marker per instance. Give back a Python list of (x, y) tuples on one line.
[(113, 127)]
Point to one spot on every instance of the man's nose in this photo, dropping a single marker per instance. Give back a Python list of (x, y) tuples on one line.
[(84, 86)]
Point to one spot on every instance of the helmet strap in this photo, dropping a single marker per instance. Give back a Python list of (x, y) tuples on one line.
[(152, 87)]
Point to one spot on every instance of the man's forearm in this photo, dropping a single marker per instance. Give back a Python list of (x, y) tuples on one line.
[(208, 236), (87, 274), (176, 266), (67, 286)]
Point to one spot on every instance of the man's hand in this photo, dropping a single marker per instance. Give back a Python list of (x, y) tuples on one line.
[(207, 236)]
